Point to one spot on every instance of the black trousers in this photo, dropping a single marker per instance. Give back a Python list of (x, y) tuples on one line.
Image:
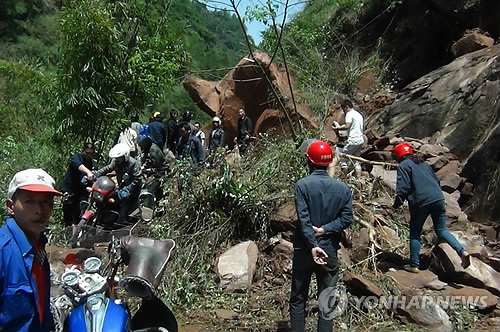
[(326, 276), (72, 207), (243, 147)]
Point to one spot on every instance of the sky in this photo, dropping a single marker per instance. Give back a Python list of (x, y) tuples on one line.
[(255, 27)]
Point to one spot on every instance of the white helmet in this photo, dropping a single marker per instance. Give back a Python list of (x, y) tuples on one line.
[(120, 150), (217, 119)]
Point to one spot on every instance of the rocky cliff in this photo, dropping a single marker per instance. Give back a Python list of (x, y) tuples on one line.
[(457, 105)]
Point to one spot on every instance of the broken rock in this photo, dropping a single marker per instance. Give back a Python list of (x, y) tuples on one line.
[(433, 150), (474, 297), (423, 310), (437, 162), (453, 167), (477, 274), (471, 42), (236, 267), (408, 280), (450, 183), (359, 286), (226, 314), (453, 209), (388, 176)]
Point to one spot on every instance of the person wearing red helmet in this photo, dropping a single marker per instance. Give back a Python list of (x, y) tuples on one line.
[(324, 209), (417, 183)]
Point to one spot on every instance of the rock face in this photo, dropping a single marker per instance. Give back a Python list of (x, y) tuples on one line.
[(245, 86), (236, 267), (457, 105)]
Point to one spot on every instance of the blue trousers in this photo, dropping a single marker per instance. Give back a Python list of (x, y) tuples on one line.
[(437, 210)]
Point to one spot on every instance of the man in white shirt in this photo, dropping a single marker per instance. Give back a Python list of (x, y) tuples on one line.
[(354, 123), (199, 133)]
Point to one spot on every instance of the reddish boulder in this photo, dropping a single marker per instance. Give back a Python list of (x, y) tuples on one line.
[(247, 87)]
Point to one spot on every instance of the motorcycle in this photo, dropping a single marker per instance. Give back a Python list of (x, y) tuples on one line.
[(152, 192), (98, 210), (101, 209), (90, 294)]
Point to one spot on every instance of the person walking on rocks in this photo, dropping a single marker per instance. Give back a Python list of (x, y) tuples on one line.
[(354, 123), (417, 183), (324, 209)]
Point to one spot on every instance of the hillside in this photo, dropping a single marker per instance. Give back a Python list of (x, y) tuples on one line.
[(36, 53)]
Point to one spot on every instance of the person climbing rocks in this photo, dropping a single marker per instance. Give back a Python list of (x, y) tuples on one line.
[(417, 183), (354, 123)]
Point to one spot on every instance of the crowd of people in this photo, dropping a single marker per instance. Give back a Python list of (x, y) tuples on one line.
[(323, 205)]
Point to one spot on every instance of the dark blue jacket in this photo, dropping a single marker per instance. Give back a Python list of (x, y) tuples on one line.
[(417, 183), (18, 291), (158, 133), (321, 201), (72, 180), (191, 149)]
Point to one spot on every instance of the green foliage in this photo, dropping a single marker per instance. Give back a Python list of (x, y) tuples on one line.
[(220, 206), (463, 318), (319, 45), (107, 71)]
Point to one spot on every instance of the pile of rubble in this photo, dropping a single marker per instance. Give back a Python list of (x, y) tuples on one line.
[(380, 249)]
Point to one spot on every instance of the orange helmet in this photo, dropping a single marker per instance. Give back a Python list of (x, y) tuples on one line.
[(402, 150), (320, 153)]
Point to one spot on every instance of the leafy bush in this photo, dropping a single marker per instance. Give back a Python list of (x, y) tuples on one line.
[(220, 206)]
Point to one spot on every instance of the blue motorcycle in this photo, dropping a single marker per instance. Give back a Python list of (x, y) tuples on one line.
[(90, 289)]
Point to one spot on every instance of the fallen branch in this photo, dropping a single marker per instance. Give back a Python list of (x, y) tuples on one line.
[(348, 156)]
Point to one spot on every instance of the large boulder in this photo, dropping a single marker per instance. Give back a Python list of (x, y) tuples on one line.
[(247, 87), (456, 105), (477, 274), (236, 267)]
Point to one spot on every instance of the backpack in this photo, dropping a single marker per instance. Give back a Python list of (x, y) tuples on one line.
[(144, 130)]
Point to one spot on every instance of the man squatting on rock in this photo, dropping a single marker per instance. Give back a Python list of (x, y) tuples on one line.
[(324, 209)]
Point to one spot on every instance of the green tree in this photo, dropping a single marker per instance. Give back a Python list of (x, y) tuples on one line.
[(112, 65)]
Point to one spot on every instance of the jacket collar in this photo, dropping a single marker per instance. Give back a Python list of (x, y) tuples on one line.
[(20, 238), (319, 172)]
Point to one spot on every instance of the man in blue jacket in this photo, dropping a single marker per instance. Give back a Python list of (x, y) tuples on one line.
[(324, 209), (189, 146), (417, 183), (24, 268), (158, 134)]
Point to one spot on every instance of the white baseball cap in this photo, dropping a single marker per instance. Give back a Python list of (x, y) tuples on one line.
[(32, 179)]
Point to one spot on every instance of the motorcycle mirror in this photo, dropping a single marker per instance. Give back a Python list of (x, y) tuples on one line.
[(111, 200), (89, 189)]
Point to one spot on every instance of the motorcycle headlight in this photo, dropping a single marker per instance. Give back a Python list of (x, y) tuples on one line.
[(97, 196)]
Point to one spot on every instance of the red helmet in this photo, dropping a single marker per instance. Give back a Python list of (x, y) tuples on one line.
[(319, 153), (402, 150)]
